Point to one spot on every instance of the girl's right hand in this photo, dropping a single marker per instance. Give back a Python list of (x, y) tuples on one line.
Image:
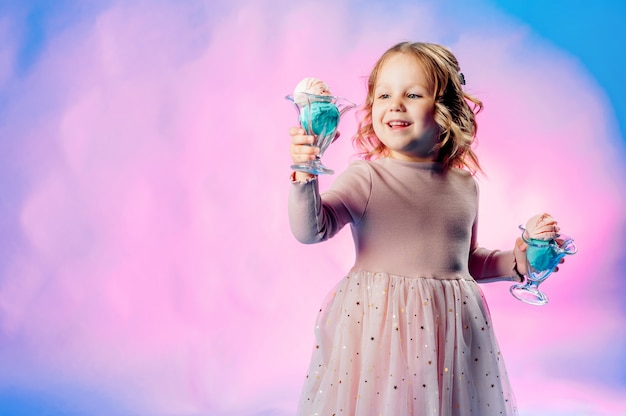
[(301, 149)]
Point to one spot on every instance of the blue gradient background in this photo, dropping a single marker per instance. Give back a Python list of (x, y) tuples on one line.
[(146, 263)]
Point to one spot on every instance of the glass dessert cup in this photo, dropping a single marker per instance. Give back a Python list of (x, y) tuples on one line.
[(542, 258), (319, 116)]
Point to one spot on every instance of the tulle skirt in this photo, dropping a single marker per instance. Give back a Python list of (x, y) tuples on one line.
[(392, 345)]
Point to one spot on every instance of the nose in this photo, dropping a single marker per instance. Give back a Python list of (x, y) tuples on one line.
[(397, 105)]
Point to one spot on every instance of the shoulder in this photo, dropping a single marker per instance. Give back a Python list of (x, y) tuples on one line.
[(358, 170), (462, 175), (464, 179), (361, 165), (356, 179)]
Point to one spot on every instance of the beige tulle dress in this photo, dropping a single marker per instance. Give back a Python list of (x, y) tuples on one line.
[(407, 330)]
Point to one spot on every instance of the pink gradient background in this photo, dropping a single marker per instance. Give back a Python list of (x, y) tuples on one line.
[(148, 267)]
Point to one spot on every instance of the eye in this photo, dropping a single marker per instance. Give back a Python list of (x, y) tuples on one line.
[(413, 96), (383, 96)]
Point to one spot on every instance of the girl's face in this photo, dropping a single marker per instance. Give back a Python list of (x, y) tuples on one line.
[(403, 110)]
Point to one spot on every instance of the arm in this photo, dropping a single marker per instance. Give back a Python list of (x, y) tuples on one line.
[(311, 221), (316, 217), (493, 266)]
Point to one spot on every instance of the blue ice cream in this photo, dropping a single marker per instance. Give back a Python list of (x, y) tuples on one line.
[(541, 254), (323, 116), (318, 113)]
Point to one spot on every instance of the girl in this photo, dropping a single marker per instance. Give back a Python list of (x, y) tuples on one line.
[(407, 331)]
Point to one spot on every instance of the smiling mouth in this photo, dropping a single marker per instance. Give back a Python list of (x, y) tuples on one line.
[(398, 123)]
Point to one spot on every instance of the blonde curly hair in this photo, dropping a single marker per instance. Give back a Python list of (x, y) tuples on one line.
[(455, 110)]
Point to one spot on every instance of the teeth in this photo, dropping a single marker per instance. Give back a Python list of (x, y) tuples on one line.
[(398, 123)]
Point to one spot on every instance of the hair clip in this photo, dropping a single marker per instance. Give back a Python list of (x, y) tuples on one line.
[(462, 78)]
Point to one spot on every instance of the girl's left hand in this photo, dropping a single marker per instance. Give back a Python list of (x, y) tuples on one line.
[(520, 256)]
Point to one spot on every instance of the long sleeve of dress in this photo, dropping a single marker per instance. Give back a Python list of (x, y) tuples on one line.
[(310, 222), (315, 217), (492, 265)]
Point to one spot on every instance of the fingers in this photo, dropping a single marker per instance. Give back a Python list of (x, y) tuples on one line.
[(521, 245), (299, 136), (556, 269), (519, 251), (303, 152), (301, 146), (296, 130)]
